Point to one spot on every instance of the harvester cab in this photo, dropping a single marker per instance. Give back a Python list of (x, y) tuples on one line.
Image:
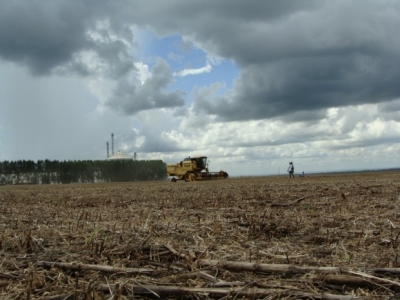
[(192, 169)]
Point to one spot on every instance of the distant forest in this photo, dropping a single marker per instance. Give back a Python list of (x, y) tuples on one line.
[(84, 171)]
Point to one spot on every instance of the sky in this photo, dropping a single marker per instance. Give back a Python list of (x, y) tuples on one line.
[(251, 85)]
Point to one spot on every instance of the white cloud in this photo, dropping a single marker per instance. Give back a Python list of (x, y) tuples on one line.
[(143, 71), (206, 69)]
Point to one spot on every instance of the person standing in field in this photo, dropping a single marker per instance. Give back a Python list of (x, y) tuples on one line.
[(291, 169)]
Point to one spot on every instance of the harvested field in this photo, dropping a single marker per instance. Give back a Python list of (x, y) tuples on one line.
[(319, 237)]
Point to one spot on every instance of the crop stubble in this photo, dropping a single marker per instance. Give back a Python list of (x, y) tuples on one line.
[(330, 236)]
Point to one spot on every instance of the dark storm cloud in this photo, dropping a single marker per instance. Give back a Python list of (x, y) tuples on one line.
[(307, 84), (393, 106), (337, 55), (390, 110), (170, 16), (41, 34)]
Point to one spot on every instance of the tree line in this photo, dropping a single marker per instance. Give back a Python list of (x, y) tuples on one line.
[(83, 171)]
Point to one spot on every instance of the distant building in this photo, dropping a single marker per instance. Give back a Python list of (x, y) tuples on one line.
[(119, 156)]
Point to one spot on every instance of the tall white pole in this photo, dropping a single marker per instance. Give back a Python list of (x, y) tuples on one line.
[(112, 143)]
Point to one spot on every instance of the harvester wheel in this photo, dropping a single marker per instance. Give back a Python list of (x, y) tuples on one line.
[(189, 177), (186, 177)]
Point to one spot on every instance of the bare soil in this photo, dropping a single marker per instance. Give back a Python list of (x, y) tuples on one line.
[(333, 236)]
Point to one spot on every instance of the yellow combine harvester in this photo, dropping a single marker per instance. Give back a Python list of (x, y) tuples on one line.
[(193, 168)]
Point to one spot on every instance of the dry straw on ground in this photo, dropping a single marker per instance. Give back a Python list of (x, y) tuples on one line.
[(318, 237)]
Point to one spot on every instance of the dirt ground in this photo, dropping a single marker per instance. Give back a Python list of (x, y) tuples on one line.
[(333, 236)]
